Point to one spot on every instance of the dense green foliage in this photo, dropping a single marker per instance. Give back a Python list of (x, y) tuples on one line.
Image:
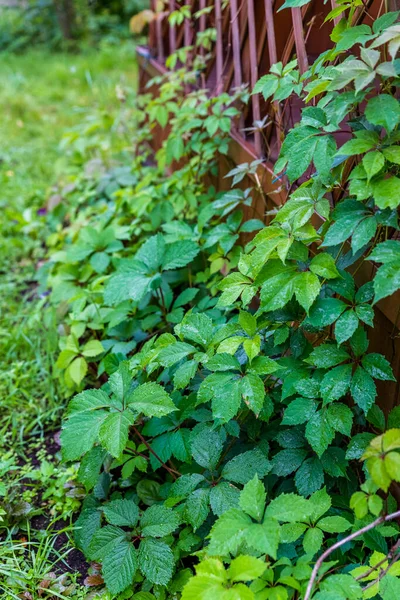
[(224, 413), (232, 390)]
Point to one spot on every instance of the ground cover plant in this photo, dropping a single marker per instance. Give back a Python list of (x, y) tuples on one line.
[(226, 413), (42, 96), (224, 435)]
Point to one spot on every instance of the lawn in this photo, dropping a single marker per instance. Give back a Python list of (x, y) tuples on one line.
[(46, 101)]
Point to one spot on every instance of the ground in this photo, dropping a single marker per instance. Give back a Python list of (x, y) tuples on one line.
[(44, 100)]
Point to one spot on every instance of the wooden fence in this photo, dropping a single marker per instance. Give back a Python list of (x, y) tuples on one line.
[(251, 35)]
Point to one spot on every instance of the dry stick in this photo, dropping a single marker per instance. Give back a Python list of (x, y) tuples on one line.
[(170, 471), (350, 537), (392, 560)]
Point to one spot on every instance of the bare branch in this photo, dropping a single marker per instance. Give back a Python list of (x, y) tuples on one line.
[(342, 542)]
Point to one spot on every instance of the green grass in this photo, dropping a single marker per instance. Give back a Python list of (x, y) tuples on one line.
[(42, 96), (45, 99)]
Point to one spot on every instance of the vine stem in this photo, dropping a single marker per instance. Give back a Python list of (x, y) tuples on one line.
[(342, 542), (150, 449)]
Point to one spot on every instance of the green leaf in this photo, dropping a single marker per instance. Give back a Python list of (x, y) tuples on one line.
[(293, 4), (289, 508), (267, 86), (342, 584), (306, 288), (156, 561), (264, 537), (119, 567), (89, 400), (224, 496), (252, 498), (184, 374), (80, 432), (363, 389), (325, 311), (151, 399), (77, 369), (319, 432), (245, 466), (173, 353), (357, 445), (321, 503), (92, 348), (159, 521), (334, 524), (312, 541), (248, 323), (390, 587), (335, 383), (386, 192), (227, 533), (378, 367), (340, 418), (287, 461), (345, 326), (373, 162), (383, 110), (197, 328), (246, 568), (253, 392), (124, 513), (114, 432), (207, 449), (310, 477), (104, 541), (86, 526), (90, 466), (197, 507), (324, 265), (327, 355), (299, 411)]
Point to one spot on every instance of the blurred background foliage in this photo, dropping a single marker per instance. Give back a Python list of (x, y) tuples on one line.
[(61, 24)]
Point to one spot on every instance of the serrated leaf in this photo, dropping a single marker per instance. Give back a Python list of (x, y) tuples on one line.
[(289, 508), (245, 466), (319, 432), (383, 110), (151, 399), (114, 430), (299, 411), (252, 498), (363, 389), (80, 432), (159, 521), (378, 367), (119, 567), (253, 392), (197, 507), (156, 561), (224, 496), (122, 512), (246, 568), (264, 537), (335, 524), (345, 326), (310, 477), (227, 533)]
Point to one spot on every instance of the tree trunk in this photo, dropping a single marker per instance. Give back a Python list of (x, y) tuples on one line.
[(66, 18)]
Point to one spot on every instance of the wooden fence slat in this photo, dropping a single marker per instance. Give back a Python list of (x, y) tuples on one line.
[(219, 47), (299, 39), (237, 60), (254, 71), (172, 31)]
